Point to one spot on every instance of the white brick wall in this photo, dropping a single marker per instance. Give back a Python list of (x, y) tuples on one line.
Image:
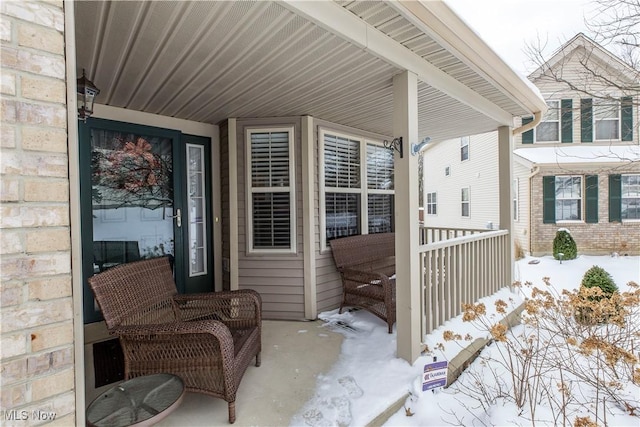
[(36, 336)]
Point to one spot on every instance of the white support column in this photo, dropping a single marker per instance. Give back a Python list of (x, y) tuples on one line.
[(405, 125), (233, 205), (505, 182), (308, 215)]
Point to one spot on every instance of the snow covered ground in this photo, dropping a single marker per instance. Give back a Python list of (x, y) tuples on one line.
[(368, 377)]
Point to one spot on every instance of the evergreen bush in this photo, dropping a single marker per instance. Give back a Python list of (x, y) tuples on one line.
[(564, 244), (599, 277)]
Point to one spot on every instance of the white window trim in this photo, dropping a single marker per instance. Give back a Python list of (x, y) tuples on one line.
[(466, 139), (427, 203), (249, 191), (468, 202), (582, 201), (594, 121), (558, 122), (631, 220), (363, 191), (191, 220)]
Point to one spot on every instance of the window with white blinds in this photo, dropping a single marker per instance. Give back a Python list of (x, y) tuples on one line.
[(270, 183), (357, 189)]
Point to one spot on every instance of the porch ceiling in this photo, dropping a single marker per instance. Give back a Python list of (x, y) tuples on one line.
[(207, 61)]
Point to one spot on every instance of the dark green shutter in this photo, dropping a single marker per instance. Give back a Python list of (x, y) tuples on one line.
[(527, 137), (548, 199), (586, 120), (626, 113), (591, 199), (615, 198), (566, 120)]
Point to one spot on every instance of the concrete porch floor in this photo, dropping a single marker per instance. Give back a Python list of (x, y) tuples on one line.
[(293, 354)]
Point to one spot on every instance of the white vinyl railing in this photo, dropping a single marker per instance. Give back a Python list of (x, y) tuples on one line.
[(461, 270), (437, 234)]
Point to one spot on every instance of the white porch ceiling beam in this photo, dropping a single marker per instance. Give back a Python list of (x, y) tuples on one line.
[(339, 21), (439, 22)]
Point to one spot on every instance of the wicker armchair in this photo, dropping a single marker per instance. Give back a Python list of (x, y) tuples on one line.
[(208, 340), (366, 264)]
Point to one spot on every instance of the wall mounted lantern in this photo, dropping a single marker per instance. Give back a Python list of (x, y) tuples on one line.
[(87, 93)]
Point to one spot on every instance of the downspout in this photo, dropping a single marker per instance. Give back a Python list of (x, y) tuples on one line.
[(535, 171), (537, 118)]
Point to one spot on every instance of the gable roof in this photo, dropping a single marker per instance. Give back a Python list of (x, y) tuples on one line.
[(592, 52)]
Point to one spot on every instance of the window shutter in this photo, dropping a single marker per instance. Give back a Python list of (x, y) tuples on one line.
[(341, 162), (270, 187), (379, 167), (591, 199), (615, 198), (381, 213), (626, 113), (527, 137), (548, 199), (566, 120), (271, 220), (586, 120), (270, 159)]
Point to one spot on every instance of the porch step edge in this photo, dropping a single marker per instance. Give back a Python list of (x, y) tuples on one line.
[(384, 416)]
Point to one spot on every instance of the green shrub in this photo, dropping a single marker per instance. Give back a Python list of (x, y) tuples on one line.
[(599, 277), (564, 244)]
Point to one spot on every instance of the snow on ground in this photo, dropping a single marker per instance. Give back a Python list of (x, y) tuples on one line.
[(368, 378)]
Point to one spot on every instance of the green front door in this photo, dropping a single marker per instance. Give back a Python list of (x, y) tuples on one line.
[(145, 193)]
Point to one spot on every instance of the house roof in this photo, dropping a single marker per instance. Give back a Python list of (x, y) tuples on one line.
[(582, 154), (207, 61), (588, 51)]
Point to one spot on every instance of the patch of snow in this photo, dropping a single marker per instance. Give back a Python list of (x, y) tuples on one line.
[(368, 377)]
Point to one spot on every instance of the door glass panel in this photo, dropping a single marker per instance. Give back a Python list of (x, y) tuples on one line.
[(132, 197), (197, 210)]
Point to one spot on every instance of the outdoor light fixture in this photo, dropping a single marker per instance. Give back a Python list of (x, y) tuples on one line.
[(394, 144), (87, 93), (416, 148)]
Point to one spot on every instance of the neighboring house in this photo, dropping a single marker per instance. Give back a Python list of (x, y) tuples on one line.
[(578, 169), (239, 137), (460, 181)]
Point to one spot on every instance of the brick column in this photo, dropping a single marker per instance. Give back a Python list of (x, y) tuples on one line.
[(36, 336)]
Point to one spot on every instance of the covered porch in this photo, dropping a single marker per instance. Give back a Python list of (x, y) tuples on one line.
[(359, 71)]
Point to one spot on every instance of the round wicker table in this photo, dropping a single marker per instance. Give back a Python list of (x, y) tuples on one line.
[(140, 401)]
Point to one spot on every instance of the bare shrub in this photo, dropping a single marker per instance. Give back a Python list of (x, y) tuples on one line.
[(579, 370)]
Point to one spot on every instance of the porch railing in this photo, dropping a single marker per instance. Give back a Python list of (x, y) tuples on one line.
[(438, 234), (461, 269)]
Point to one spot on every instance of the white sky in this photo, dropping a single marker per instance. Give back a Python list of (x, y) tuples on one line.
[(508, 25)]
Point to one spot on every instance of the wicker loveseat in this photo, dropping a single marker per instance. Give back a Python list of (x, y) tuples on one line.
[(208, 339), (366, 264)]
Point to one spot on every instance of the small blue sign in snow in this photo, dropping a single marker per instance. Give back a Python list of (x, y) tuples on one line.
[(435, 375)]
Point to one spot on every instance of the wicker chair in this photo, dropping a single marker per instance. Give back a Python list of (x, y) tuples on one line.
[(208, 339), (365, 264)]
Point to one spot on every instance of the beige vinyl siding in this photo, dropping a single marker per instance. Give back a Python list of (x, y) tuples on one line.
[(328, 282), (521, 226), (479, 174), (279, 278), (574, 71)]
